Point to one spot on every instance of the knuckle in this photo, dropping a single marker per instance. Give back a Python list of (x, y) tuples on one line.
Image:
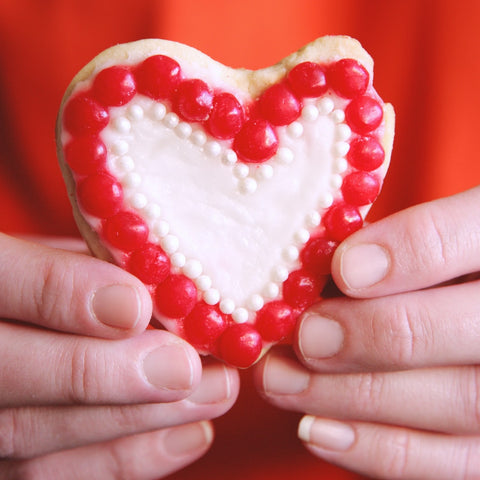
[(395, 462), (470, 399), (370, 388), (8, 434)]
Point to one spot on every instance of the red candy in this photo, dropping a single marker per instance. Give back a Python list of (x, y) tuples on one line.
[(256, 142), (100, 195), (302, 289), (158, 77), (275, 321), (204, 325), (176, 296), (348, 78), (150, 264), (364, 114), (341, 221), (316, 256), (125, 231), (308, 79), (114, 86), (194, 100), (86, 155), (84, 116), (360, 188), (279, 105), (366, 153), (240, 345), (226, 118)]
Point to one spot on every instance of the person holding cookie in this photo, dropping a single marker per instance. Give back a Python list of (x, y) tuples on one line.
[(382, 377)]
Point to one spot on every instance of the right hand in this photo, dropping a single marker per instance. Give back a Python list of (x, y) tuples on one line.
[(85, 390)]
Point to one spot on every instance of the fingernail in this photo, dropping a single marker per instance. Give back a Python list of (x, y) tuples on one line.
[(214, 387), (283, 376), (363, 266), (169, 368), (116, 306), (326, 433), (188, 439), (319, 337)]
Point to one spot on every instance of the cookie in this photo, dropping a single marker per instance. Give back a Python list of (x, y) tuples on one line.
[(226, 191)]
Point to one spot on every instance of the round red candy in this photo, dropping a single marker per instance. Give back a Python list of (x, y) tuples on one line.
[(302, 289), (364, 114), (157, 77), (360, 188), (348, 78), (150, 264), (227, 116), (366, 153), (194, 100), (125, 230), (114, 86), (256, 142), (86, 155), (240, 345), (176, 296), (279, 105), (316, 256), (308, 79), (203, 325), (275, 321), (341, 221), (100, 195), (84, 116)]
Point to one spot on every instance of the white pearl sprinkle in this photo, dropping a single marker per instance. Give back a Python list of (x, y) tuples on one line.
[(240, 170), (138, 200), (170, 243), (340, 149), (135, 112), (326, 200), (280, 274), (227, 306), (229, 157), (247, 185), (255, 302), (271, 290), (240, 315), (171, 120), (343, 132), (192, 269), (213, 148), (203, 282), (313, 219), (125, 164), (290, 253), (178, 259), (325, 105), (183, 130), (295, 129), (264, 172), (122, 125), (284, 155), (211, 296), (310, 113), (132, 180), (340, 165), (152, 211), (159, 111), (198, 138), (302, 236), (336, 181), (338, 115), (120, 147), (161, 228)]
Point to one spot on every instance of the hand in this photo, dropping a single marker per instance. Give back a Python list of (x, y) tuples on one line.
[(85, 391), (389, 378)]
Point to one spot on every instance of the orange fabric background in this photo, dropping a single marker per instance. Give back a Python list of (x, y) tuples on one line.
[(426, 65)]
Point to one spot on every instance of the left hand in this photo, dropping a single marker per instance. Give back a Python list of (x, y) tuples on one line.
[(390, 379)]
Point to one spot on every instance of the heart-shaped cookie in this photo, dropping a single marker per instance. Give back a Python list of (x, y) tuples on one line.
[(226, 191)]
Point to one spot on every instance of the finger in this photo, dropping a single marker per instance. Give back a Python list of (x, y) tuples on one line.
[(437, 399), (29, 432), (69, 291), (416, 248), (381, 451), (438, 326), (44, 367), (146, 456)]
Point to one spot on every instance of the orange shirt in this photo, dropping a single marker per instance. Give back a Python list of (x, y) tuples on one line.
[(426, 65)]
